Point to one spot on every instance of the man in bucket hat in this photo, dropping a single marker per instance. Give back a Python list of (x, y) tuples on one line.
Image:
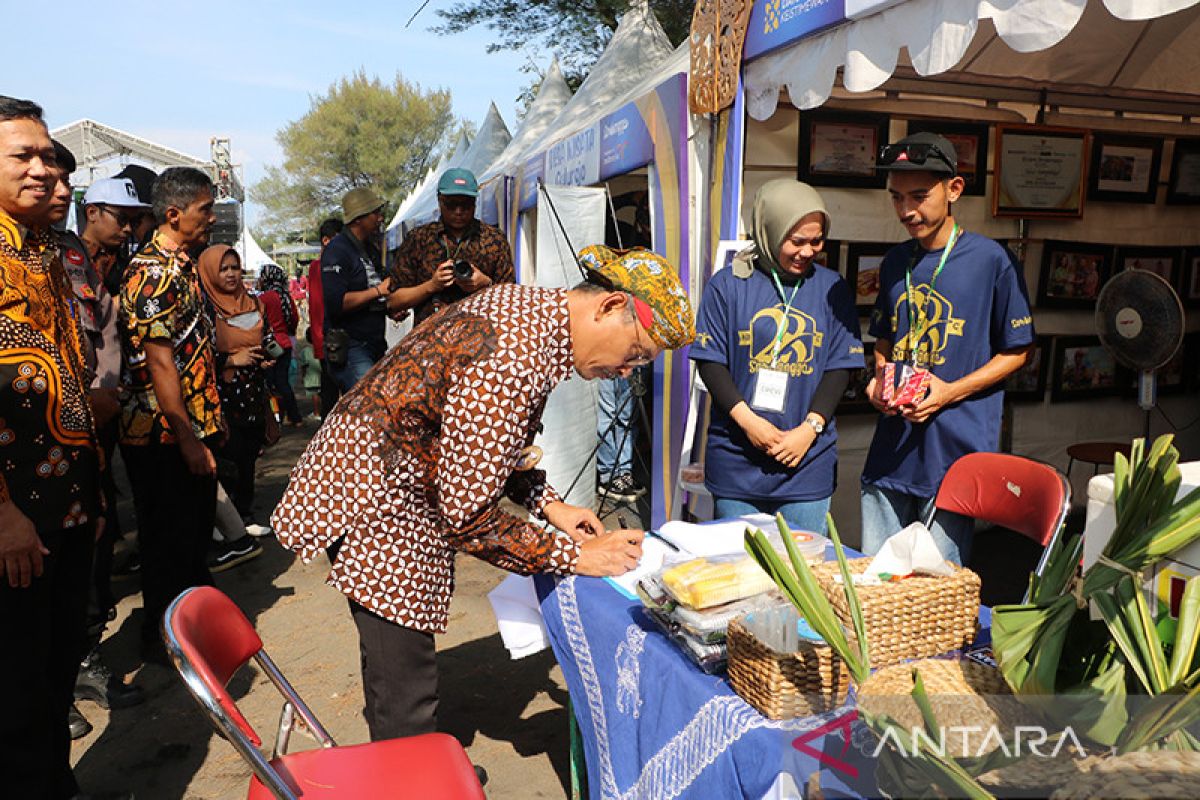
[(413, 463), (354, 290)]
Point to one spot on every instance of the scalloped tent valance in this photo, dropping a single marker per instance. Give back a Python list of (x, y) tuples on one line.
[(1127, 47)]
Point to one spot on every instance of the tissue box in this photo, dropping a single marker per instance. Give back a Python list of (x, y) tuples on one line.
[(915, 617)]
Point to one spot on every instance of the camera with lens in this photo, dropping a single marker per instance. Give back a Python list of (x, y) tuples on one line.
[(462, 270)]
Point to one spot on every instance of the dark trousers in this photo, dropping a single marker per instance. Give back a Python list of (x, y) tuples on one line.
[(42, 628), (329, 390), (280, 379), (176, 511), (102, 596), (400, 678), (237, 459)]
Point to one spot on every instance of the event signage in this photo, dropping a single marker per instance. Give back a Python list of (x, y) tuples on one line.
[(528, 188), (625, 142), (575, 161), (776, 23)]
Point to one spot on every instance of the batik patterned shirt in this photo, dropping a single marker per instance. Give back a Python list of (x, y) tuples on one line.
[(483, 245), (412, 463), (49, 462), (161, 299)]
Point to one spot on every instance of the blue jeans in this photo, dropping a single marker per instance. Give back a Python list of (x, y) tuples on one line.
[(800, 515), (360, 357), (615, 454), (885, 512)]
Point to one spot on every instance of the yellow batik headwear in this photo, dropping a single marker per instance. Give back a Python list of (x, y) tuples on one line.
[(665, 311)]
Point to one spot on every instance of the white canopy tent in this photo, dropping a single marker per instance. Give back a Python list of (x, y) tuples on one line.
[(253, 256), (636, 52), (552, 96), (1115, 53), (490, 141)]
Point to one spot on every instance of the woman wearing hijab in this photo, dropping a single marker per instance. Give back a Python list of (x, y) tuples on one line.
[(281, 316), (777, 338), (241, 336)]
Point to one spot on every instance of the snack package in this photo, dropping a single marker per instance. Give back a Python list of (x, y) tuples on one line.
[(709, 657), (708, 582), (904, 386), (709, 626)]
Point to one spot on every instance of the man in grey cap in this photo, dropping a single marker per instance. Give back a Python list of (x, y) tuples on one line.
[(354, 290)]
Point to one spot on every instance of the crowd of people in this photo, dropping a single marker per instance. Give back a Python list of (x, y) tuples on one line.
[(137, 337)]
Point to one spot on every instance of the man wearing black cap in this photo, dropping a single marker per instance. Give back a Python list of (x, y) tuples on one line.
[(425, 270), (951, 322)]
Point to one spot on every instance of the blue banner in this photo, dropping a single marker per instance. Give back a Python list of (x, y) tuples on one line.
[(625, 142), (527, 189), (775, 23)]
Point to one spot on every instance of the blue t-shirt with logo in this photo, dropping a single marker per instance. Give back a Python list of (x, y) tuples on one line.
[(737, 325), (978, 308)]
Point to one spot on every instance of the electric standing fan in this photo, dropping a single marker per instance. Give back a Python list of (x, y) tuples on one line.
[(1140, 321)]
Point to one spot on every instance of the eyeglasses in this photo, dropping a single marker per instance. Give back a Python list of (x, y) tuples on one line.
[(916, 153), (643, 357), (458, 203), (122, 218)]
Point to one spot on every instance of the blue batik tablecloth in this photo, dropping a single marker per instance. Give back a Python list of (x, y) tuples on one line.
[(655, 726)]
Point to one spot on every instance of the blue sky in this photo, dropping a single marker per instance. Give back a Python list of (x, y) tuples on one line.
[(180, 73)]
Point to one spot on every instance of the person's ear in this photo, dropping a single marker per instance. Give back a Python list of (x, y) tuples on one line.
[(91, 213), (173, 215), (955, 187), (613, 302)]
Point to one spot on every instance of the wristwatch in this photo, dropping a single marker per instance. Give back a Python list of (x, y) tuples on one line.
[(816, 424)]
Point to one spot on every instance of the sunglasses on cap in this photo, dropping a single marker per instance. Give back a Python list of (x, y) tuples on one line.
[(915, 153)]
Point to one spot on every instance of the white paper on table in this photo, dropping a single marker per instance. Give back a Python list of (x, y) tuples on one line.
[(723, 538), (911, 550), (519, 617), (654, 555)]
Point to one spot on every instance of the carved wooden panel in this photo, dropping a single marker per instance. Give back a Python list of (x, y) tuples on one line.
[(717, 34)]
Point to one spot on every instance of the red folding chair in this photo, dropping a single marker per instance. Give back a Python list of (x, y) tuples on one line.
[(1017, 493), (210, 639)]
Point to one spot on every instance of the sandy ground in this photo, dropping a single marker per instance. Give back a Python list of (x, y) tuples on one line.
[(510, 715)]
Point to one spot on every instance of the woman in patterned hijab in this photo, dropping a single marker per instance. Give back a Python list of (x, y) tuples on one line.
[(272, 279)]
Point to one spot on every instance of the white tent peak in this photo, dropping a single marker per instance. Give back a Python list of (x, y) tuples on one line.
[(253, 256), (428, 184), (637, 48), (552, 96)]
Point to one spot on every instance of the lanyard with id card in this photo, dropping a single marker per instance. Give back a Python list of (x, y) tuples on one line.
[(770, 384), (906, 382)]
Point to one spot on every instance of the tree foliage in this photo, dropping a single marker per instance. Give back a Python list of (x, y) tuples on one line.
[(362, 132), (576, 31)]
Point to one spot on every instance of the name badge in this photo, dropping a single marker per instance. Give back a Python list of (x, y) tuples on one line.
[(770, 390)]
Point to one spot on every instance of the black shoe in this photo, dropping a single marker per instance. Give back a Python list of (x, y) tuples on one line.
[(97, 684), (132, 568), (77, 723), (481, 775), (623, 487), (227, 555)]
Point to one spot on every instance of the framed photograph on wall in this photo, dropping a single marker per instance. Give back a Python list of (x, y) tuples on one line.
[(839, 148), (1183, 185), (854, 399), (1162, 261), (1124, 169), (863, 260), (1040, 171), (970, 142), (1189, 283), (1029, 382), (1072, 273), (1082, 369)]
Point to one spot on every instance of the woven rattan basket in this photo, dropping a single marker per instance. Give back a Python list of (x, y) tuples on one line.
[(917, 617), (785, 685), (1160, 773)]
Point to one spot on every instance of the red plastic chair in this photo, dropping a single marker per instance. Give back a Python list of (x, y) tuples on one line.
[(209, 639), (1017, 493)]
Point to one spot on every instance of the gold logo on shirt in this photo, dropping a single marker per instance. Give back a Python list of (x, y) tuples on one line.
[(936, 323), (797, 343)]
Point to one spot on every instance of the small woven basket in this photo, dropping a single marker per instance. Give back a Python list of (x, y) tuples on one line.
[(785, 685), (917, 617), (1159, 773)]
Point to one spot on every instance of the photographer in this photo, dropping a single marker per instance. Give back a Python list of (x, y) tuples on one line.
[(447, 260)]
